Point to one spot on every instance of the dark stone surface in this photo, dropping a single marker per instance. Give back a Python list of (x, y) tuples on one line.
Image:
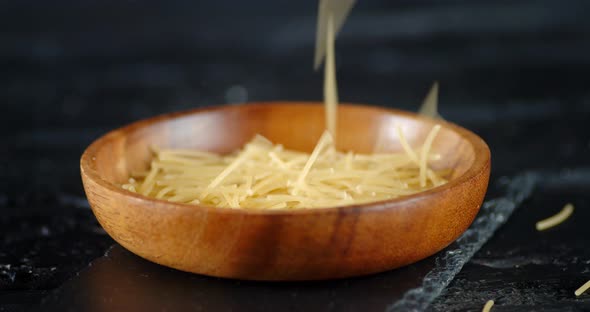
[(147, 286), (532, 271), (515, 72), (122, 280), (44, 241), (526, 270)]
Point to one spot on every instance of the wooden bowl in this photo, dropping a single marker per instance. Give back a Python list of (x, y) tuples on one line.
[(310, 244)]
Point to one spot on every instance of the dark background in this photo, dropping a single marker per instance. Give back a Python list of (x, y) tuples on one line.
[(71, 70), (515, 72)]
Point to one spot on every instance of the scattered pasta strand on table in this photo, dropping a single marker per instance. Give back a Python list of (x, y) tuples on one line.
[(488, 306), (560, 217), (582, 289), (264, 175)]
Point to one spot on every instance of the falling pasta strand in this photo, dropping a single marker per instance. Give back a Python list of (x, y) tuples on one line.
[(430, 105), (330, 84), (552, 221), (424, 154)]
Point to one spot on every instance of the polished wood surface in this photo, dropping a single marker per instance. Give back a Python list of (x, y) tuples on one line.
[(312, 244)]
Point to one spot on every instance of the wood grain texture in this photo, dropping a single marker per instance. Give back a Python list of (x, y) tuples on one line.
[(312, 244)]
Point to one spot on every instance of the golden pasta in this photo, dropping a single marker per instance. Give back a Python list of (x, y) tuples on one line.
[(264, 175), (488, 306), (552, 221), (582, 289)]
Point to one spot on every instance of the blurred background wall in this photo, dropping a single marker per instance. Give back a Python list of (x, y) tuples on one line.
[(70, 70)]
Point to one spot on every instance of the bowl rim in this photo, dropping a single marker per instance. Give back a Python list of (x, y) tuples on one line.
[(481, 162)]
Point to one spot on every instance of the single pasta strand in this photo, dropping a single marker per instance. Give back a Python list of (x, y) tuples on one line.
[(582, 289), (552, 221), (412, 154), (330, 85), (325, 139), (488, 306), (424, 153), (406, 146), (148, 184), (164, 191), (277, 160), (278, 206), (238, 161), (436, 180), (265, 183)]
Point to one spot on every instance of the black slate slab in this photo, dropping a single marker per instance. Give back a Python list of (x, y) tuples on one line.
[(526, 270)]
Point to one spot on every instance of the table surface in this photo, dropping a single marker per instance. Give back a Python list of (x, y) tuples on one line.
[(515, 72)]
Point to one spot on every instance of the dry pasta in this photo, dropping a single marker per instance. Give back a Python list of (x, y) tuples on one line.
[(488, 306), (264, 175), (556, 219), (582, 289)]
